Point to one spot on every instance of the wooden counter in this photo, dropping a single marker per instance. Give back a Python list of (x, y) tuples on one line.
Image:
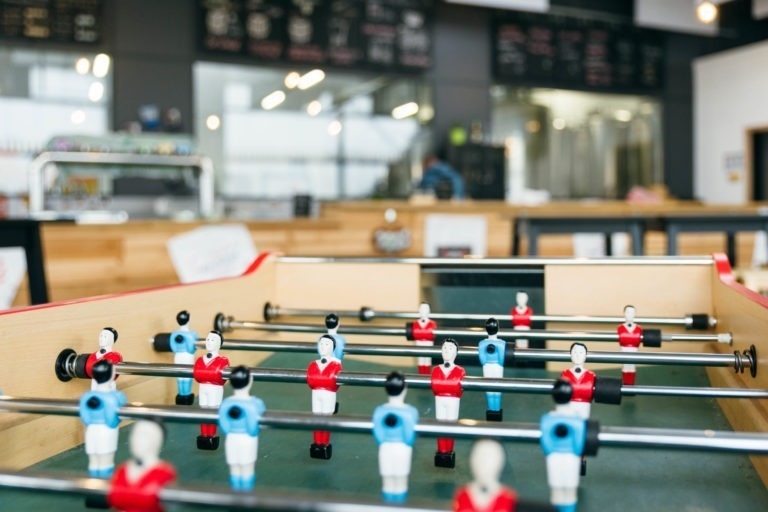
[(85, 260)]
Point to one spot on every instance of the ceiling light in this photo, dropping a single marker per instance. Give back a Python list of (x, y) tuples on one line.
[(623, 116), (558, 123), (272, 100), (101, 65), (311, 78), (96, 91), (213, 122), (292, 80), (314, 108), (334, 128), (77, 117), (82, 66), (706, 11), (405, 110)]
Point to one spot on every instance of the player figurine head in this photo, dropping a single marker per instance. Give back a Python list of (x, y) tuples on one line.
[(103, 373), (486, 463), (395, 387), (424, 311), (107, 339), (492, 327), (213, 342), (325, 346), (521, 299), (146, 443), (182, 318), (332, 323), (449, 350), (241, 380), (578, 354), (629, 314)]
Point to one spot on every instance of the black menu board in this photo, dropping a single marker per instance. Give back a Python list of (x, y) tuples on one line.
[(374, 34), (64, 21), (566, 52)]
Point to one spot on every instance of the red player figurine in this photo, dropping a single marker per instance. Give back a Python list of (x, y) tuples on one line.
[(208, 373), (446, 385), (583, 382), (107, 339), (424, 336), (521, 317), (321, 378), (630, 337), (485, 493), (136, 484)]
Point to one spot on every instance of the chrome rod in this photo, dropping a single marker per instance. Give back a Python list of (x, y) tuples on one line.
[(367, 314), (206, 496), (537, 355), (228, 324), (523, 432)]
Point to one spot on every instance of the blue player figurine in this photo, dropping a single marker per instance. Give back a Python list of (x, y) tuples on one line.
[(183, 347), (99, 412), (491, 351), (394, 430), (332, 324), (239, 417)]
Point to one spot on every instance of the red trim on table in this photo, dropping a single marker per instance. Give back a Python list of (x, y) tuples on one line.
[(724, 272)]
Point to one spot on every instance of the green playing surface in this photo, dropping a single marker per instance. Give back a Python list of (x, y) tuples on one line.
[(641, 480)]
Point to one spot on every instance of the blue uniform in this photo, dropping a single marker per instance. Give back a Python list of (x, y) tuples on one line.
[(244, 421), (183, 342), (338, 349), (99, 413), (103, 409), (563, 434), (492, 351), (395, 425)]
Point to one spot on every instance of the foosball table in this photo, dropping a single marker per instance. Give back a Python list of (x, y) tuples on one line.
[(548, 384)]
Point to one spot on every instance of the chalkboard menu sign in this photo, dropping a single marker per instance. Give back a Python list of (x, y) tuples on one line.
[(64, 21), (564, 52), (376, 34)]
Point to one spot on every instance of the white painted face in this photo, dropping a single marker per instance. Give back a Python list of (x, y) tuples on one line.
[(424, 310), (106, 339), (325, 347), (449, 352), (212, 342), (146, 441), (629, 314), (578, 354), (521, 298), (486, 462)]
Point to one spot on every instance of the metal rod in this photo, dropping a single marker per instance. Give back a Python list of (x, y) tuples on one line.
[(367, 314), (206, 496), (537, 355), (708, 440), (469, 383), (228, 324)]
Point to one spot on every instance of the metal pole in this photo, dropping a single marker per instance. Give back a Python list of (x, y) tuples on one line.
[(367, 314), (537, 355), (708, 440), (206, 496), (228, 324)]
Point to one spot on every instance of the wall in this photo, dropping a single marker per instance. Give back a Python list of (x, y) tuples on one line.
[(729, 97)]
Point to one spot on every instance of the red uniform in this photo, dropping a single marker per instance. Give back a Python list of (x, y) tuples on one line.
[(141, 495), (583, 384), (210, 373), (629, 338), (426, 333), (113, 357), (325, 378), (521, 319), (505, 501), (448, 385)]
